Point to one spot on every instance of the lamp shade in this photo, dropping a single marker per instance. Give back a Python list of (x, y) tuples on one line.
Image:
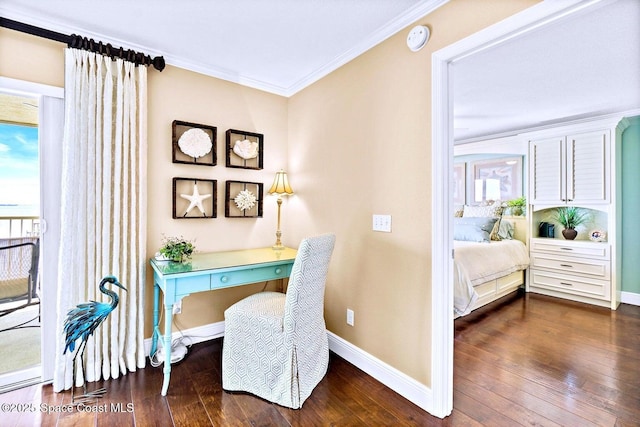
[(280, 184)]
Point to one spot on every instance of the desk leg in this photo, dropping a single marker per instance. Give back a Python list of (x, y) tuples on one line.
[(168, 314), (156, 318)]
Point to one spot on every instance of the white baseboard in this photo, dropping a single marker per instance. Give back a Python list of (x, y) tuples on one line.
[(630, 298), (197, 334), (405, 386), (399, 382)]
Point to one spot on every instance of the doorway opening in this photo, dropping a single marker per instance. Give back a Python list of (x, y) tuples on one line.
[(19, 240), (49, 113)]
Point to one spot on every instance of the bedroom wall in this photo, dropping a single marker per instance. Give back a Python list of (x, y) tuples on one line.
[(360, 144), (631, 207)]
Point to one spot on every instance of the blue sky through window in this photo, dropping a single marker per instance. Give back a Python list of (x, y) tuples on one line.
[(19, 165)]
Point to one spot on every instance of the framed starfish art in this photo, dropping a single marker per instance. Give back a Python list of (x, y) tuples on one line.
[(244, 149), (194, 198)]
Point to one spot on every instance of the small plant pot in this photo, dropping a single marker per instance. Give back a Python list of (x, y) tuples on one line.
[(569, 233)]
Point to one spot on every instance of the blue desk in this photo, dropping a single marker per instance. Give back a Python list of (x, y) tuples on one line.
[(207, 272)]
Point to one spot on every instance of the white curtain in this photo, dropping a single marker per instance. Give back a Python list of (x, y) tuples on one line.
[(103, 226)]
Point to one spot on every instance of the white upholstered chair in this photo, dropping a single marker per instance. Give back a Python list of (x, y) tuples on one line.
[(276, 345)]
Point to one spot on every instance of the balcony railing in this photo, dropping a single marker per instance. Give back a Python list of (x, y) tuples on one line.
[(19, 226)]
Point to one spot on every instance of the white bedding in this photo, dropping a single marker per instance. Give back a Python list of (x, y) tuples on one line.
[(477, 263)]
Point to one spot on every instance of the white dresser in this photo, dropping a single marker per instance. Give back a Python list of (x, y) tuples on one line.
[(580, 270), (576, 164)]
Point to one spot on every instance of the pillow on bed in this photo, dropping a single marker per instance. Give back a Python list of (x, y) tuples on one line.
[(482, 211), (476, 229), (494, 211), (506, 229)]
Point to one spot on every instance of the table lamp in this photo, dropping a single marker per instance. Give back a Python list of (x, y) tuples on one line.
[(280, 188)]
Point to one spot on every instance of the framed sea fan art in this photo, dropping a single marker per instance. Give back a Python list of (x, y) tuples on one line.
[(193, 143), (243, 199), (244, 149), (194, 198)]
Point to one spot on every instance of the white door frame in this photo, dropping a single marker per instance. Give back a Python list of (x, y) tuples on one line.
[(518, 25), (50, 164)]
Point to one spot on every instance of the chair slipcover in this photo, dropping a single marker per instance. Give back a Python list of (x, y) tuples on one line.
[(276, 345)]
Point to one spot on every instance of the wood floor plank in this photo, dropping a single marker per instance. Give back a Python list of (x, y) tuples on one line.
[(523, 360), (532, 397)]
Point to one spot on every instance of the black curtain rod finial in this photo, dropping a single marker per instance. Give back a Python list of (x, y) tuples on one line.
[(158, 63)]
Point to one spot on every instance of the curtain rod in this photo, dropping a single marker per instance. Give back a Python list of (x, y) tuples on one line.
[(79, 42)]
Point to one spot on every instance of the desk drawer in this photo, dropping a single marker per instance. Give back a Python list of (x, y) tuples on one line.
[(249, 275), (187, 285)]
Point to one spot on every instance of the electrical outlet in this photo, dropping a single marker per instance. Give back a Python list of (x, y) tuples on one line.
[(382, 223), (177, 307), (350, 317)]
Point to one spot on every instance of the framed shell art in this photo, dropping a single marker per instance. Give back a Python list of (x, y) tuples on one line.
[(194, 198), (244, 149), (193, 143), (243, 199)]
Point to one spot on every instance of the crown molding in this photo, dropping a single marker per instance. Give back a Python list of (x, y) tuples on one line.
[(420, 10)]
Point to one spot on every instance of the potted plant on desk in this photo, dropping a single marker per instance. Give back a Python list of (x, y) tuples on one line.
[(570, 217), (176, 249)]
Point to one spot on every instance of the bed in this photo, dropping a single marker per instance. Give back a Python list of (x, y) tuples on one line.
[(489, 268)]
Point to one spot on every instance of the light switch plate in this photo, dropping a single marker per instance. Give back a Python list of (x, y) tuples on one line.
[(382, 223)]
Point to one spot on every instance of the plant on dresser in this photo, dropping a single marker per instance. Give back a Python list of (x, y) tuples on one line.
[(574, 169), (570, 217)]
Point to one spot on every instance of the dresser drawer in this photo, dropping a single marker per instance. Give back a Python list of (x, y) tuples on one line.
[(582, 249), (588, 287), (596, 268)]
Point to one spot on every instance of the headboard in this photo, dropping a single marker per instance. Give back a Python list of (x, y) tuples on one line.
[(520, 227)]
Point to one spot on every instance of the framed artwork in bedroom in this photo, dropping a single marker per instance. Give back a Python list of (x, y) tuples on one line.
[(459, 183), (497, 179)]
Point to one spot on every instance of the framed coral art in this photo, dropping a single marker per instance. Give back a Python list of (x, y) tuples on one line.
[(244, 149), (243, 199), (193, 143), (194, 198)]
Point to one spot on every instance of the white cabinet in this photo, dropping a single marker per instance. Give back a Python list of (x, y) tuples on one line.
[(577, 164), (579, 270), (571, 169)]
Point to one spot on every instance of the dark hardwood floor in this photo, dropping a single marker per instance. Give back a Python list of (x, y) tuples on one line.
[(523, 360)]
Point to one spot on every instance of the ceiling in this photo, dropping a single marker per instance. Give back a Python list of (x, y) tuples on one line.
[(18, 110), (587, 65), (279, 46)]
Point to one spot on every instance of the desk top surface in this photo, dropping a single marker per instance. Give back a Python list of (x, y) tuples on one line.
[(215, 260)]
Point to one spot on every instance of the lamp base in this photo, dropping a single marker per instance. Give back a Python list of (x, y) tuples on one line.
[(277, 247)]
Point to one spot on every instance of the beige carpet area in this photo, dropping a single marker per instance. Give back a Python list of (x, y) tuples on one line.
[(19, 348)]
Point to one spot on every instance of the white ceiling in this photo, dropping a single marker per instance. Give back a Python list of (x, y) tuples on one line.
[(279, 46), (584, 66), (575, 68)]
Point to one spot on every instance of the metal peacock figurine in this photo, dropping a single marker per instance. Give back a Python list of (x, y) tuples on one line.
[(80, 324)]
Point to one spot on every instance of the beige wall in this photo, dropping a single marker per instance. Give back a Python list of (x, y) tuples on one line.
[(360, 144), (177, 94), (355, 143)]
